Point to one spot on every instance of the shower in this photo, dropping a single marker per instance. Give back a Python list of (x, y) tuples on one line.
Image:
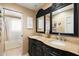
[(12, 32)]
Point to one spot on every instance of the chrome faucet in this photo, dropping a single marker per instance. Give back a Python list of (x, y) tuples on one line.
[(59, 37)]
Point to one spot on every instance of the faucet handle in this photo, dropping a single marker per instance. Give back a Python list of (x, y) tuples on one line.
[(63, 38), (57, 37)]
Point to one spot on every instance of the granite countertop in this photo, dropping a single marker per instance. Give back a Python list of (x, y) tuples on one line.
[(69, 46)]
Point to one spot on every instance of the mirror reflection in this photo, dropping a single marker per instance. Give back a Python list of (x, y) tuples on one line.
[(40, 24), (63, 20)]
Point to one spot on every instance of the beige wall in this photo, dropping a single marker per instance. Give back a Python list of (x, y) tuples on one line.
[(46, 5), (26, 12)]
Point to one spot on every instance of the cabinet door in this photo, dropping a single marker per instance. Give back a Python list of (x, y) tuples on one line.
[(39, 51), (29, 47), (33, 47), (33, 51)]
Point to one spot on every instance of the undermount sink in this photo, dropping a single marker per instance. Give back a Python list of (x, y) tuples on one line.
[(58, 42)]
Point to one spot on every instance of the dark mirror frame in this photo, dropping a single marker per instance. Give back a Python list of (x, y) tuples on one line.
[(37, 25), (75, 23), (54, 7)]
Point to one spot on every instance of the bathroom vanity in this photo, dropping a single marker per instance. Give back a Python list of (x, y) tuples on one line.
[(60, 18), (41, 46)]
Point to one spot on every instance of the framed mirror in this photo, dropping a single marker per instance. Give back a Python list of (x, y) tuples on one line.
[(64, 20), (47, 24), (40, 24)]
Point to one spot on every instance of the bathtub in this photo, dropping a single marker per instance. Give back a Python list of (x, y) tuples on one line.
[(13, 48), (12, 44)]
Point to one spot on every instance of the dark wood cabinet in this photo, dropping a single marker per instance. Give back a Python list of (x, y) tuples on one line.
[(35, 48), (38, 48)]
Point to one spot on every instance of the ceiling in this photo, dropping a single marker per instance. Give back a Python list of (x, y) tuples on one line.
[(32, 6)]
